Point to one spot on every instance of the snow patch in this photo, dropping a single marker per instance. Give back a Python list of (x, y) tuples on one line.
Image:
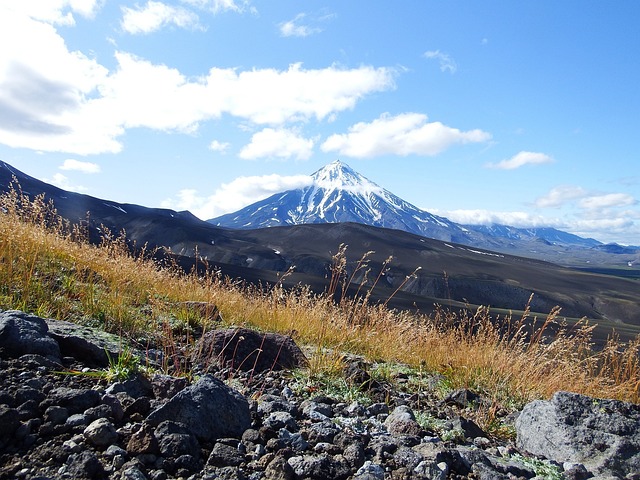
[(116, 207)]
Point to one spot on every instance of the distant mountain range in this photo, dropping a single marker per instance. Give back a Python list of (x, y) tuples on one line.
[(337, 194), (451, 274)]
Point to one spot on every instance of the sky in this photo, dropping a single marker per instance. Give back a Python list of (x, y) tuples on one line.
[(495, 111)]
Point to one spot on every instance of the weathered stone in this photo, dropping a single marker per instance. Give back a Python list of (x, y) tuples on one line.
[(604, 435), (136, 386), (462, 398), (468, 427), (175, 439), (143, 441), (244, 349), (406, 457), (429, 470), (294, 441), (270, 403), (225, 455), (84, 465), (208, 408), (56, 414), (73, 399), (370, 471), (279, 469), (402, 422), (101, 433), (89, 345), (22, 333), (165, 386), (319, 467), (9, 422), (277, 420)]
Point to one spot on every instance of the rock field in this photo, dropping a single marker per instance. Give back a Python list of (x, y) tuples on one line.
[(251, 420)]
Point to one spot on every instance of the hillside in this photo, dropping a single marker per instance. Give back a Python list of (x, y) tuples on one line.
[(449, 274)]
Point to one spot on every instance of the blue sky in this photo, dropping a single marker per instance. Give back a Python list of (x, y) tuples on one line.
[(524, 113)]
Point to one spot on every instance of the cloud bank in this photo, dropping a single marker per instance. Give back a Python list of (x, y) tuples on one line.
[(403, 134)]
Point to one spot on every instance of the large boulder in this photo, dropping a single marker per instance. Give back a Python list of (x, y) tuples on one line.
[(604, 435), (245, 349), (89, 345), (22, 333), (208, 409)]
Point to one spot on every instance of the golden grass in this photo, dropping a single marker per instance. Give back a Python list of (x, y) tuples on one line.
[(48, 268)]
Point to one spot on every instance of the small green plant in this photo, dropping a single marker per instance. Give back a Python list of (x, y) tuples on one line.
[(441, 427), (123, 366), (542, 468)]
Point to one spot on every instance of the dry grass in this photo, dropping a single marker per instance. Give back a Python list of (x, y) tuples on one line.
[(48, 268)]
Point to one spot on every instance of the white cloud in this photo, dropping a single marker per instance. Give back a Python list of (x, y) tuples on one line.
[(488, 217), (218, 6), (61, 181), (53, 99), (235, 195), (609, 200), (56, 12), (280, 143), (608, 227), (295, 27), (269, 96), (404, 134), (521, 159), (447, 63), (155, 15), (44, 88), (217, 146), (84, 167), (560, 195)]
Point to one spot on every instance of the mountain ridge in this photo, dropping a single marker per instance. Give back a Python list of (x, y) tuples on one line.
[(337, 193)]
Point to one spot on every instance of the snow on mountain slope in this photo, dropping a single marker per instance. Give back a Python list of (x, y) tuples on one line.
[(340, 194)]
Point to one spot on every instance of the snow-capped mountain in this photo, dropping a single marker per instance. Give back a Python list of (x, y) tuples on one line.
[(336, 194)]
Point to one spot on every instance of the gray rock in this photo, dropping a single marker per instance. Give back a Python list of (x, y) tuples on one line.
[(174, 440), (101, 433), (245, 349), (429, 470), (22, 333), (270, 403), (402, 422), (407, 458), (322, 432), (370, 471), (295, 441), (468, 427), (277, 420), (225, 455), (320, 467), (209, 409), (166, 386), (462, 398), (9, 422), (279, 469), (73, 399), (83, 465), (133, 473), (85, 344), (56, 414), (604, 435), (137, 386), (143, 441)]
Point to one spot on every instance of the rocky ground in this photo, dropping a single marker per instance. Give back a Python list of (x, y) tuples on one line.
[(254, 419)]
